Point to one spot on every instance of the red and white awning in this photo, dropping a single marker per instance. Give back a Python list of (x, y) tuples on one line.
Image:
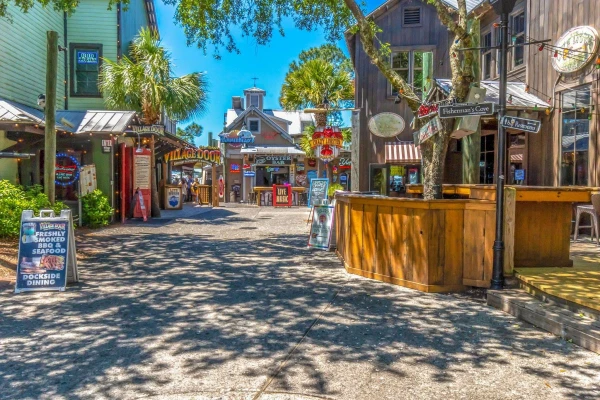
[(402, 153)]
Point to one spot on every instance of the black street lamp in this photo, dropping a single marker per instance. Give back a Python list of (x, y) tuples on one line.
[(504, 8)]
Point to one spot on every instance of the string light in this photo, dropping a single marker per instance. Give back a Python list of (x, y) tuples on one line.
[(527, 89), (555, 53), (547, 111), (541, 48)]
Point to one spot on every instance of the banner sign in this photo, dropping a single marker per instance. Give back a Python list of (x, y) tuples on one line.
[(273, 160), (46, 252), (188, 156), (249, 174), (465, 110), (87, 57), (282, 196), (321, 227), (526, 125), (317, 191), (87, 179), (221, 187), (141, 182), (430, 129)]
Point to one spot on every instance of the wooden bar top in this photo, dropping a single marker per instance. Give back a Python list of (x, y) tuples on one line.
[(267, 188)]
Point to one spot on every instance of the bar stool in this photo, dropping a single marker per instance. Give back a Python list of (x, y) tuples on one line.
[(593, 210)]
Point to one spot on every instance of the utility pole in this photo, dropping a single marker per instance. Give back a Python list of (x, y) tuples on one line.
[(504, 8), (50, 115)]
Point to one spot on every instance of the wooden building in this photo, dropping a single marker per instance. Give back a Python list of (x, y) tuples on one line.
[(563, 153)]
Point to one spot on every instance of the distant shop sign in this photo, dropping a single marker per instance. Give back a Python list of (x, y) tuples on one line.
[(249, 174), (522, 124), (87, 57), (466, 110), (345, 163), (273, 160), (188, 156)]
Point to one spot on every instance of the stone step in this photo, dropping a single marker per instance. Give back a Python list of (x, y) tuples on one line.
[(575, 327)]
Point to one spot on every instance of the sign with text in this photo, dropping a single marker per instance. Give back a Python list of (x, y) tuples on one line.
[(87, 179), (249, 174), (87, 56), (519, 174), (192, 156), (141, 182), (46, 258), (430, 129), (317, 191), (321, 227), (282, 196), (465, 110), (345, 163), (273, 160), (173, 196), (522, 124)]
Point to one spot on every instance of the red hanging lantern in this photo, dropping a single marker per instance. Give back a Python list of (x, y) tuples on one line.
[(326, 142)]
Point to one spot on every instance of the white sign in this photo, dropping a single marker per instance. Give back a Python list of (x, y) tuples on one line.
[(141, 171), (87, 179), (430, 129), (386, 124), (321, 228), (577, 47)]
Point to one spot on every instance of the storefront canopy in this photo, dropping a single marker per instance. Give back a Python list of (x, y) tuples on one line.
[(402, 153), (271, 150)]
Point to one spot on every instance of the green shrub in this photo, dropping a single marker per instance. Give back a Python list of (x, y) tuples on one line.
[(15, 199), (332, 188), (97, 211)]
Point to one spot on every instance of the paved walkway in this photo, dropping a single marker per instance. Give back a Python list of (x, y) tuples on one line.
[(231, 304)]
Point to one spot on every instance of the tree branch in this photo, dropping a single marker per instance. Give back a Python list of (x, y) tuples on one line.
[(447, 19)]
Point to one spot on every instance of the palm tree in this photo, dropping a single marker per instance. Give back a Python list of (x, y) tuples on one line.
[(315, 83), (145, 83)]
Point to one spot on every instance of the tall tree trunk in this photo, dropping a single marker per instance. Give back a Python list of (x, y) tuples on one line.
[(434, 158), (154, 205)]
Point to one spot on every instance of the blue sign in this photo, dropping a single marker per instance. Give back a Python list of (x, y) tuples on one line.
[(87, 57), (317, 191), (310, 175), (225, 139), (519, 174), (343, 178), (43, 253), (249, 173)]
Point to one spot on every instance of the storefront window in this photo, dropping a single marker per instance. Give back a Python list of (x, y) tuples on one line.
[(486, 160), (575, 128), (379, 179), (85, 67)]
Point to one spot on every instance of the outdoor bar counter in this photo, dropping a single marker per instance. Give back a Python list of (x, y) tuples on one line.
[(445, 245), (269, 189)]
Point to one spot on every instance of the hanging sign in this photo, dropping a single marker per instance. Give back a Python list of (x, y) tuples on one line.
[(317, 191), (426, 110), (273, 160), (578, 46), (465, 110), (345, 163), (430, 129), (526, 125), (282, 196), (87, 179), (321, 227), (386, 124), (249, 174), (141, 182), (188, 156), (46, 258)]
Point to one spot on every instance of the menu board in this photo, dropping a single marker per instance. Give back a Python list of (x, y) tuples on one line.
[(87, 179), (46, 252), (321, 227), (317, 191), (141, 182)]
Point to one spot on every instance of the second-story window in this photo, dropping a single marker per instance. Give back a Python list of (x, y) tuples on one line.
[(85, 67), (415, 67), (518, 38), (486, 62), (254, 100), (254, 125)]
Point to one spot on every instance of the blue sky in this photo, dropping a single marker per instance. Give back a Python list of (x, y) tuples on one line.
[(230, 75)]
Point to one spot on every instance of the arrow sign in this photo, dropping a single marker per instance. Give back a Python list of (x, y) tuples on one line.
[(522, 124), (465, 110)]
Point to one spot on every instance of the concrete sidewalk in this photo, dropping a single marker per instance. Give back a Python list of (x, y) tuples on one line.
[(232, 305)]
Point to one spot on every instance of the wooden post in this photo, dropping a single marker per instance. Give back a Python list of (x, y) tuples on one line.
[(215, 186), (50, 115), (510, 202), (154, 206)]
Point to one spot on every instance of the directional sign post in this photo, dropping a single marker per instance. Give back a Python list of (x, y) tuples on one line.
[(465, 110), (522, 124)]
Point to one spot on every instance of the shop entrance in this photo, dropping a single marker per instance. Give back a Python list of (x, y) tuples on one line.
[(271, 175)]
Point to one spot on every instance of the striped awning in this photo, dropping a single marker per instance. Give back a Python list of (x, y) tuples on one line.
[(516, 157), (402, 153)]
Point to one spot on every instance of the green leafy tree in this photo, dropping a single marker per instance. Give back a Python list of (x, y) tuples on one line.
[(328, 52), (190, 132), (145, 83)]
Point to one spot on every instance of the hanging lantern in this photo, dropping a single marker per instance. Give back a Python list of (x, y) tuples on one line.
[(326, 143)]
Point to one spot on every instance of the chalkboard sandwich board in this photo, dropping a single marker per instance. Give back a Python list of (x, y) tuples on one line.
[(317, 191)]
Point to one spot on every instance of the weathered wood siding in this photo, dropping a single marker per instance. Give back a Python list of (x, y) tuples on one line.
[(372, 88), (23, 54), (93, 23)]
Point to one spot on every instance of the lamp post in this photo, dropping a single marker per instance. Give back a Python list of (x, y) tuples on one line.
[(504, 8)]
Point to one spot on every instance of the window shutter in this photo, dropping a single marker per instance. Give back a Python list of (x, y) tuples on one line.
[(411, 16)]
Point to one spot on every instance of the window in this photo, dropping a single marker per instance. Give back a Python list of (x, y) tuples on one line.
[(304, 125), (85, 67), (254, 125), (575, 138), (411, 16), (518, 38), (415, 67), (254, 100), (486, 62), (486, 160)]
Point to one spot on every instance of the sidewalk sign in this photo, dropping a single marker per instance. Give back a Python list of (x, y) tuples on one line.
[(282, 196), (317, 191), (142, 176), (321, 227), (47, 256)]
